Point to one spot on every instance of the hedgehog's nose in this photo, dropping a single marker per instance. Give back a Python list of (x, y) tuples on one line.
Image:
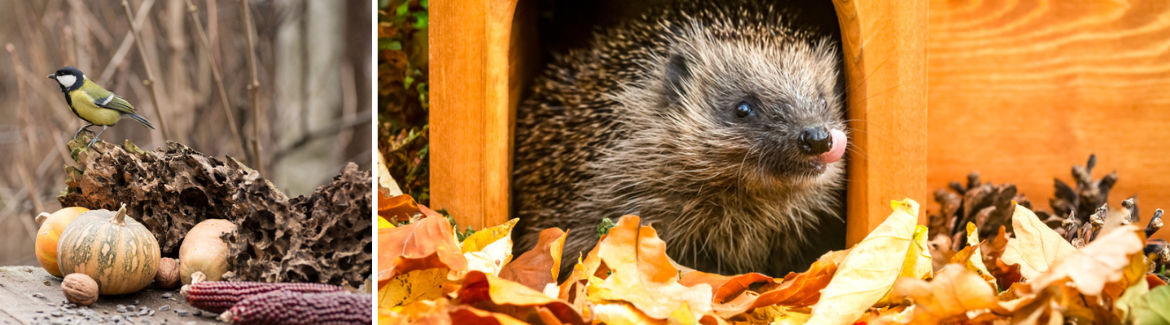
[(816, 140)]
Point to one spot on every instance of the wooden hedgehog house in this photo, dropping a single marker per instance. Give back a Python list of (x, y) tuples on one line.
[(483, 53)]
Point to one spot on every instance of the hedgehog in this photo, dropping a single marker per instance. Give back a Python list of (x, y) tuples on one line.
[(719, 124)]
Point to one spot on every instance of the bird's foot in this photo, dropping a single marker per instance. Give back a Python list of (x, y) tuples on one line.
[(91, 142), (84, 128)]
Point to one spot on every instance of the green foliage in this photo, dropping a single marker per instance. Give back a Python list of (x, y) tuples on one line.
[(403, 92), (1153, 307), (604, 227)]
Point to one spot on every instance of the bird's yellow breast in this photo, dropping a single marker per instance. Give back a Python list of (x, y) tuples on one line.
[(85, 108)]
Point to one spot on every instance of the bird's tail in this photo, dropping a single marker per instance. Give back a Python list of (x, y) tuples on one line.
[(141, 119)]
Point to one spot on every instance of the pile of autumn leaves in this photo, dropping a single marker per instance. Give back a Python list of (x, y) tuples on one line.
[(426, 276)]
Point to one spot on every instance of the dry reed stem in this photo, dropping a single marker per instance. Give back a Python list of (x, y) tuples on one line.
[(253, 86), (127, 41), (205, 44), (26, 118), (149, 82), (346, 122)]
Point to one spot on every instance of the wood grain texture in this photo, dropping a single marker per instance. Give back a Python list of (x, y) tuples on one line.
[(477, 50), (1022, 90), (885, 65)]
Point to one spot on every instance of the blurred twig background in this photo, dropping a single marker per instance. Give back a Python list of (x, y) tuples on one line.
[(310, 116)]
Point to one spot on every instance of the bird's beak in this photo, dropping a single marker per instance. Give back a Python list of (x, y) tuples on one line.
[(52, 76)]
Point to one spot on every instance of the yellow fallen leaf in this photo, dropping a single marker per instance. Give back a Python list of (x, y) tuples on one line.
[(413, 286), (432, 312), (1101, 261), (382, 223), (480, 239), (869, 271), (490, 249), (776, 315), (1131, 296), (1036, 246), (975, 261), (918, 263), (621, 314)]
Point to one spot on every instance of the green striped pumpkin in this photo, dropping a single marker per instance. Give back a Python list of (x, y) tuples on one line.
[(119, 253)]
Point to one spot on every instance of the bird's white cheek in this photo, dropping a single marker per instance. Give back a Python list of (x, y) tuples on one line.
[(66, 81)]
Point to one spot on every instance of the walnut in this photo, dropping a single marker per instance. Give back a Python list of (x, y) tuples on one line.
[(80, 289), (168, 274)]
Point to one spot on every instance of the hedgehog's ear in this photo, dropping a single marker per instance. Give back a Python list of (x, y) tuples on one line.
[(676, 72)]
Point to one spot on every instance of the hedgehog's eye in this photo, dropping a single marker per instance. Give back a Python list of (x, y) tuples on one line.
[(743, 110)]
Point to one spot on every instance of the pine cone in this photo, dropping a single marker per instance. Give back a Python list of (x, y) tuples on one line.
[(987, 205), (1087, 197)]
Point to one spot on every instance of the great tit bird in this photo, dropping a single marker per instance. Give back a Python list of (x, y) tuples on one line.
[(92, 103)]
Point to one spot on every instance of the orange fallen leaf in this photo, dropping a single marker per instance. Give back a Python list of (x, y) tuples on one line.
[(730, 294), (798, 290), (1154, 281), (643, 275), (491, 293), (426, 244), (948, 298), (401, 207), (723, 286), (538, 267), (468, 315)]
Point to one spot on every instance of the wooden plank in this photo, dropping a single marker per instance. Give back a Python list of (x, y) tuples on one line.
[(458, 112), (474, 91), (885, 64), (1022, 90)]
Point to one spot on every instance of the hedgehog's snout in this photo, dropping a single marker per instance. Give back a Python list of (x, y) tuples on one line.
[(815, 140)]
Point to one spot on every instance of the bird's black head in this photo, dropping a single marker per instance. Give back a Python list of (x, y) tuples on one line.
[(69, 78)]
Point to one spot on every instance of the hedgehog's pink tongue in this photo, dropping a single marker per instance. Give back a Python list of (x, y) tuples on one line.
[(838, 149)]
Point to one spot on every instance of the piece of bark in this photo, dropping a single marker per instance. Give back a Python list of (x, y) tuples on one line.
[(318, 238)]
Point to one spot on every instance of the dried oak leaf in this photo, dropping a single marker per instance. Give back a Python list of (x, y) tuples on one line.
[(869, 271), (491, 293), (1005, 273), (949, 297), (972, 258), (429, 243), (302, 239), (401, 208), (538, 267), (1036, 246), (1102, 261), (490, 249), (643, 275)]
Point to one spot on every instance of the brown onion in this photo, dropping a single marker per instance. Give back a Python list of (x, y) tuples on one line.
[(204, 251)]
